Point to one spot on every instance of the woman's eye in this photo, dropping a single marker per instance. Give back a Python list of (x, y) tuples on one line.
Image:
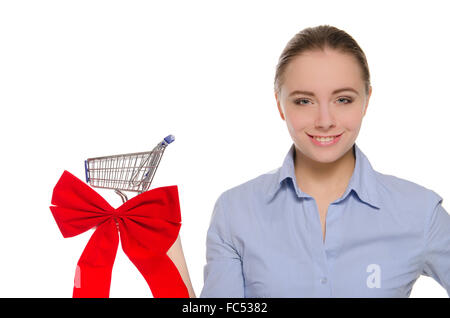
[(348, 100), (300, 101), (304, 101)]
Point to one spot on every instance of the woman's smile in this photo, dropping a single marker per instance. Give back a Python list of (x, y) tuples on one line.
[(325, 140)]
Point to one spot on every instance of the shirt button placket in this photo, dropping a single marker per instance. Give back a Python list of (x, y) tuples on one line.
[(320, 259)]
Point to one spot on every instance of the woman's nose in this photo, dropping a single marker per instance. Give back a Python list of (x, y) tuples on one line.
[(324, 118)]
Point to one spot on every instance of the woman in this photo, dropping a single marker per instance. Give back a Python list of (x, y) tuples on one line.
[(325, 224)]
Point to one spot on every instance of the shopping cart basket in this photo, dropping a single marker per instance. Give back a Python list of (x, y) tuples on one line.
[(127, 172)]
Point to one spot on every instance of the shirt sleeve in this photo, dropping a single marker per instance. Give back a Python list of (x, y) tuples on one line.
[(223, 271), (437, 247)]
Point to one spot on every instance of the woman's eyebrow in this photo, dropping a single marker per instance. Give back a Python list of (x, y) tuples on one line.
[(334, 92)]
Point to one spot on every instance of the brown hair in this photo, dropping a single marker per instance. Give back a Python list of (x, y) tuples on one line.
[(319, 38)]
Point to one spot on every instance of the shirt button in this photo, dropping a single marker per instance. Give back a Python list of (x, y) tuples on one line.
[(323, 280)]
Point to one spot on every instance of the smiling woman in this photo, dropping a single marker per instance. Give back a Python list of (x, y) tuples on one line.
[(325, 224)]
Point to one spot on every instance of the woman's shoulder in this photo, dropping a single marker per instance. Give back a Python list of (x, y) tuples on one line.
[(244, 202), (256, 188), (403, 192), (402, 186)]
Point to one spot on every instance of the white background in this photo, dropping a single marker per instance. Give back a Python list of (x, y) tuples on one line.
[(82, 79)]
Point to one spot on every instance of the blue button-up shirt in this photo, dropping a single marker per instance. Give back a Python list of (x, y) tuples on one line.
[(265, 238)]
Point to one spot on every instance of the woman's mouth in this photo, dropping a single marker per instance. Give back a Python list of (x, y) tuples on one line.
[(325, 140)]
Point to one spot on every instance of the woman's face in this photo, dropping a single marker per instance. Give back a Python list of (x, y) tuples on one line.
[(311, 104)]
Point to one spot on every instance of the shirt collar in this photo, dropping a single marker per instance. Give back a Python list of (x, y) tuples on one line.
[(363, 181)]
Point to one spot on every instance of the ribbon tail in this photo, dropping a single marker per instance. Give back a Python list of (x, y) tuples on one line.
[(94, 268), (157, 268), (162, 276)]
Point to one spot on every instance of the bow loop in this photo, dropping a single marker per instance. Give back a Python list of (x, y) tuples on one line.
[(72, 193), (164, 202), (77, 208)]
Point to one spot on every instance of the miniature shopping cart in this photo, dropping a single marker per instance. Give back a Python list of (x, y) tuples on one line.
[(127, 172)]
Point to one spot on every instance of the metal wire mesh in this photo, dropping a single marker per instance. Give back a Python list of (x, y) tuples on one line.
[(126, 172)]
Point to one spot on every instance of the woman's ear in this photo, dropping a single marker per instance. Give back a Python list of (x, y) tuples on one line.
[(280, 109), (367, 100)]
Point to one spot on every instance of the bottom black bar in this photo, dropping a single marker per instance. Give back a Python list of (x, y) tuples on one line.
[(225, 306)]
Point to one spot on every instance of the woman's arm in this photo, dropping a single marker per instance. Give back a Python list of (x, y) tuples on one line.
[(437, 247), (175, 253), (223, 272)]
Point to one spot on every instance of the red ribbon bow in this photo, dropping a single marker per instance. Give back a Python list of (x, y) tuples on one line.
[(148, 223)]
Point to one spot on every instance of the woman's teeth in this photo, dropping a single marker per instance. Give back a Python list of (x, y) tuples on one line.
[(321, 139)]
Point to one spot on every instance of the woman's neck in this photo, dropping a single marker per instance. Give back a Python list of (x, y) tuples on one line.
[(322, 179)]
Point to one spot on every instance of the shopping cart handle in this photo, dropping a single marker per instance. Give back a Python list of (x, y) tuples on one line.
[(86, 171), (169, 139)]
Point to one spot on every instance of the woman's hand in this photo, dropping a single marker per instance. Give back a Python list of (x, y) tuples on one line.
[(175, 253)]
